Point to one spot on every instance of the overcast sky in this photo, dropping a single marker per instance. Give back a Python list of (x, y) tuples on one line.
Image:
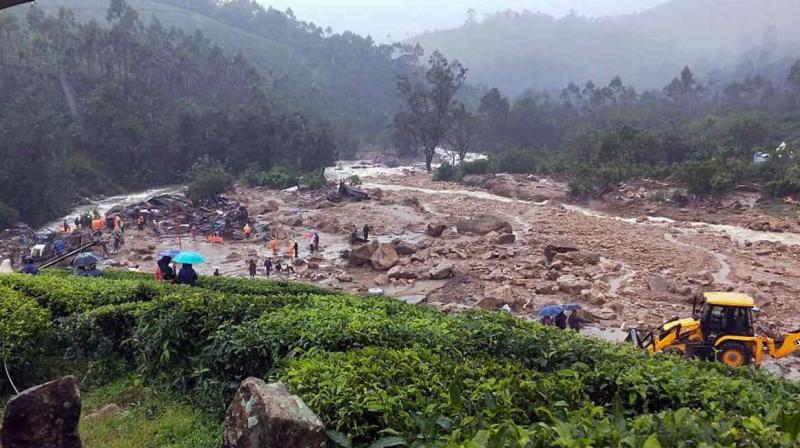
[(405, 18)]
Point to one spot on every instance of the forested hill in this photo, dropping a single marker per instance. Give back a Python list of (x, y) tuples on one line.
[(88, 109), (345, 79), (717, 38)]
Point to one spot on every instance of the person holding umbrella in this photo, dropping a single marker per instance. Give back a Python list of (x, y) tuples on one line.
[(187, 274), (86, 265)]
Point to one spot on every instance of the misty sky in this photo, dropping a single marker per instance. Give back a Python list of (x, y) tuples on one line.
[(405, 18)]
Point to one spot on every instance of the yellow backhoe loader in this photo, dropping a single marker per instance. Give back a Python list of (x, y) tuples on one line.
[(722, 329)]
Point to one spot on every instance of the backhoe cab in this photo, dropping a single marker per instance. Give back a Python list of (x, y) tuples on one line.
[(723, 330)]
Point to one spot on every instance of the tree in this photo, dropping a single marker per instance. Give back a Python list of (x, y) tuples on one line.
[(463, 131), (427, 111), (794, 80), (208, 179)]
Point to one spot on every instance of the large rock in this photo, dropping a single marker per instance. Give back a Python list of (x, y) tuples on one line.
[(572, 284), (363, 254), (44, 416), (442, 271), (578, 258), (558, 247), (398, 272), (483, 224), (265, 415), (505, 238), (404, 248), (385, 257), (494, 298), (658, 284), (435, 230)]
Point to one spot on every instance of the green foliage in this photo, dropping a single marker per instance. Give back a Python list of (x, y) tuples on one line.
[(475, 167), (448, 173), (381, 371), (278, 177), (23, 325), (354, 180), (208, 179), (149, 418), (314, 181), (709, 176)]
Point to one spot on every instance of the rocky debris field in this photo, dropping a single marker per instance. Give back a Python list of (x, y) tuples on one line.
[(504, 242)]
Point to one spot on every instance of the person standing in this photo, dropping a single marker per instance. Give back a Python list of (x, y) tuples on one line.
[(252, 268), (77, 222), (268, 266), (247, 230), (366, 230), (187, 275), (316, 242), (273, 244), (296, 249), (193, 231), (58, 246)]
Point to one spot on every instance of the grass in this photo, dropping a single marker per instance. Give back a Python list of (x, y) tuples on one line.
[(149, 419)]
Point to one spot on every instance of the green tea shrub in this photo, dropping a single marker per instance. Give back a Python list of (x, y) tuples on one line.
[(23, 326)]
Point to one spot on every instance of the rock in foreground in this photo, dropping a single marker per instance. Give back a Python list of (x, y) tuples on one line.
[(265, 415), (44, 416)]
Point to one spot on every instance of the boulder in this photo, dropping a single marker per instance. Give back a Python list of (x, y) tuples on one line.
[(404, 248), (435, 230), (265, 415), (604, 314), (483, 224), (572, 284), (495, 298), (442, 271), (385, 257), (44, 416), (271, 207), (505, 238), (578, 258), (558, 247), (363, 254), (106, 411), (401, 272), (658, 284), (314, 265), (345, 278)]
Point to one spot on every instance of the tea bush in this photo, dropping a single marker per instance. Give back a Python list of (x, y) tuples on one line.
[(379, 370)]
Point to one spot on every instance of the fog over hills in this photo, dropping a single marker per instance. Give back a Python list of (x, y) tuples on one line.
[(520, 50)]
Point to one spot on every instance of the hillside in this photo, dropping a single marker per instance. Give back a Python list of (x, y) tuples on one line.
[(374, 369), (345, 79), (518, 51)]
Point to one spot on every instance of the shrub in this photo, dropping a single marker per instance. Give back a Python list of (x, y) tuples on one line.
[(354, 180), (475, 167), (314, 181), (208, 179), (23, 325), (278, 177), (447, 173)]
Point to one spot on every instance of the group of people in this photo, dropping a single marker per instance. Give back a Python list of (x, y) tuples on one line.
[(356, 239), (166, 273), (269, 266)]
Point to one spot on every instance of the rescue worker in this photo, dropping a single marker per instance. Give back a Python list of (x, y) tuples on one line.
[(58, 246), (29, 268), (268, 266), (296, 249), (247, 230), (366, 230), (316, 241), (273, 244), (252, 268)]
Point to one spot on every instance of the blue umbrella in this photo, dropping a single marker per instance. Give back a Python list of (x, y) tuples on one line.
[(85, 259), (171, 253), (189, 258), (551, 310)]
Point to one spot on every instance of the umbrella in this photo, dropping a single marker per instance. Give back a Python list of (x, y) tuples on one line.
[(551, 310), (85, 259), (171, 253), (189, 258), (572, 307)]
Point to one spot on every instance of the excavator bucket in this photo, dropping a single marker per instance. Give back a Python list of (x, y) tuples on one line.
[(9, 3)]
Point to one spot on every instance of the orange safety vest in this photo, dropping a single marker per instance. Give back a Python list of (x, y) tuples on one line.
[(246, 229)]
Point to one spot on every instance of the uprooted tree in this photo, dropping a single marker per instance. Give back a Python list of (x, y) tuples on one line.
[(428, 105)]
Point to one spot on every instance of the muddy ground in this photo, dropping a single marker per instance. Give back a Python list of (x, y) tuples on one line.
[(637, 264)]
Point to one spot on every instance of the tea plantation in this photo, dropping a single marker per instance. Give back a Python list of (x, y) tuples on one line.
[(379, 372)]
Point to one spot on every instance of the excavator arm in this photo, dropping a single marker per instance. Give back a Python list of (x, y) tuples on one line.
[(785, 347)]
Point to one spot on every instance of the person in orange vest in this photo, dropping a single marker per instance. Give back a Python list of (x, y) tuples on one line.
[(247, 230), (290, 249), (273, 244), (117, 223)]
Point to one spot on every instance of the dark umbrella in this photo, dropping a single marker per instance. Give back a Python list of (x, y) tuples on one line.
[(85, 259), (551, 310)]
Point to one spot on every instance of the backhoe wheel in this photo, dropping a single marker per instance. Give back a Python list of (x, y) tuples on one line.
[(734, 354)]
